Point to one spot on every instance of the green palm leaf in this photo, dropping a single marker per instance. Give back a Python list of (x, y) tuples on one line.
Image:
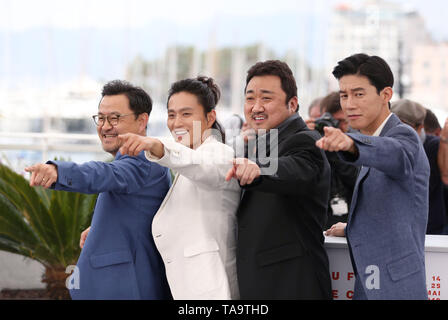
[(44, 225)]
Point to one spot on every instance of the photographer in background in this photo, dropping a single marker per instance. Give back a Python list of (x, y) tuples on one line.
[(343, 175), (332, 114), (314, 112)]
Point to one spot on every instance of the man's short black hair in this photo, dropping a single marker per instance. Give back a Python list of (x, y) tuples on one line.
[(431, 122), (373, 67), (331, 103), (275, 68), (139, 101)]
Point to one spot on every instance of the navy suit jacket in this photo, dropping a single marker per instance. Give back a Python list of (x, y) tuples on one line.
[(119, 259), (388, 215)]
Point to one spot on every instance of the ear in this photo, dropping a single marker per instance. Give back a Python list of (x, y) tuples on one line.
[(143, 121), (211, 118), (387, 94), (293, 104), (419, 128)]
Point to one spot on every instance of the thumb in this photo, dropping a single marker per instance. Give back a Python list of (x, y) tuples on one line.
[(327, 130), (123, 137)]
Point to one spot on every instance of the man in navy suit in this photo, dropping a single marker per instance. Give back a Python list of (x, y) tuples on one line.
[(119, 259), (389, 210)]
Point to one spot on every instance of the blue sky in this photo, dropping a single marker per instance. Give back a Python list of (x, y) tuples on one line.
[(60, 39), (26, 14)]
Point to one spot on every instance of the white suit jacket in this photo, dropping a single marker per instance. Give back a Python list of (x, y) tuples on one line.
[(195, 227)]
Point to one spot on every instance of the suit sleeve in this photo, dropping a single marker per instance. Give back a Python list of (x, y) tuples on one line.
[(392, 154), (299, 169), (125, 175), (206, 166)]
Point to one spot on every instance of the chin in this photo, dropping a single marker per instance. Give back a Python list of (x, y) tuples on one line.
[(111, 149)]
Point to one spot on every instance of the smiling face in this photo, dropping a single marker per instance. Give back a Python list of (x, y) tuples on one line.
[(364, 108), (265, 104), (187, 120), (118, 105)]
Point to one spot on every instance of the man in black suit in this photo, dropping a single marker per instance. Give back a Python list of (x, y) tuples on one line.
[(286, 183)]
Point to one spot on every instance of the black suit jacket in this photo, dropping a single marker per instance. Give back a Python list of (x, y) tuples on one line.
[(281, 216)]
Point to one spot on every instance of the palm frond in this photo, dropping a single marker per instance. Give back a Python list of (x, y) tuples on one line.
[(44, 225)]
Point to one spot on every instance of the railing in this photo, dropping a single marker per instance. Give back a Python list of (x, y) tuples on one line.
[(46, 142)]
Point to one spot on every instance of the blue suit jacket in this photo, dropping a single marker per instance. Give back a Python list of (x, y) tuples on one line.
[(119, 259), (388, 216)]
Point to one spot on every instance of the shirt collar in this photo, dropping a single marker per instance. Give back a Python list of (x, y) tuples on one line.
[(380, 128)]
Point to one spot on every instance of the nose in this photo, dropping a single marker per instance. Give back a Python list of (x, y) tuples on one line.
[(348, 103), (106, 125), (176, 122), (258, 106)]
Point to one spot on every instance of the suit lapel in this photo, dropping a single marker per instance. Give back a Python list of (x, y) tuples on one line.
[(363, 173), (392, 122), (285, 130), (168, 195)]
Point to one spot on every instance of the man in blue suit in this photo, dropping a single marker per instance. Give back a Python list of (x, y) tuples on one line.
[(119, 259), (389, 210)]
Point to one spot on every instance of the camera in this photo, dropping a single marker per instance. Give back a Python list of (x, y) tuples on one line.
[(326, 120)]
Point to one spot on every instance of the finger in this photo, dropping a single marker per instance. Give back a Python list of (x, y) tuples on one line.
[(35, 170), (49, 182), (239, 161), (127, 145), (30, 168), (38, 178), (343, 146), (139, 149), (123, 138), (133, 147), (253, 175), (324, 145), (32, 179), (230, 174), (328, 131), (332, 141), (124, 149), (82, 240), (240, 171), (244, 177), (330, 231)]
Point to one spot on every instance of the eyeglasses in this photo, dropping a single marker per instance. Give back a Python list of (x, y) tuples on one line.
[(113, 119)]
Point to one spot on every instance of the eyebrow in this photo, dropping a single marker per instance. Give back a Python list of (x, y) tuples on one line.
[(182, 109), (113, 112), (262, 91), (353, 90)]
